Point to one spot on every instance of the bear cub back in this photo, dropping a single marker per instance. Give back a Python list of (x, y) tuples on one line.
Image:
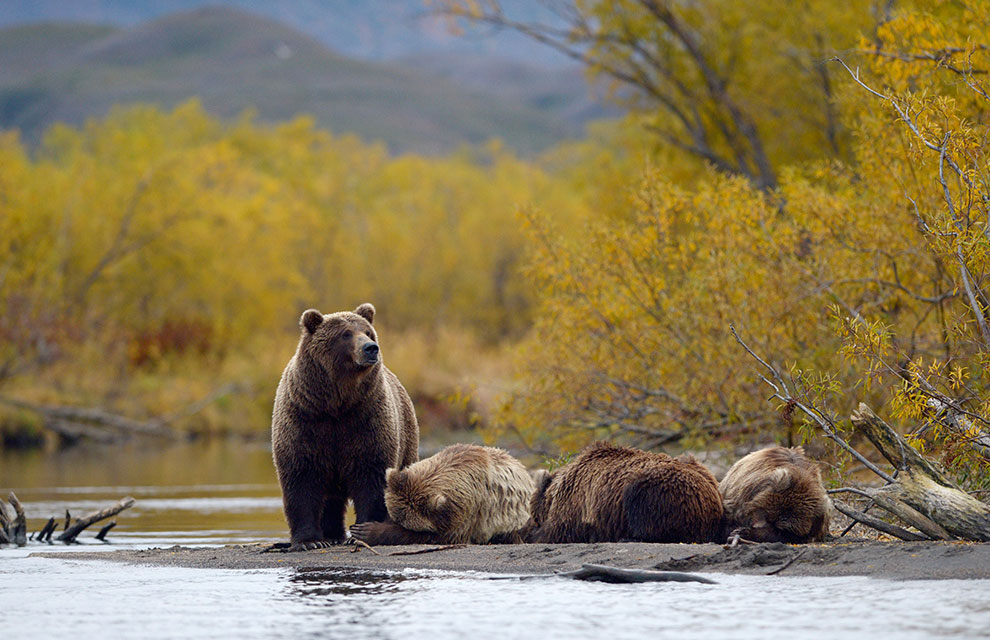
[(610, 493)]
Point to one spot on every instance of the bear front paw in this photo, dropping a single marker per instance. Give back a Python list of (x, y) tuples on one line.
[(365, 532), (310, 545), (388, 533)]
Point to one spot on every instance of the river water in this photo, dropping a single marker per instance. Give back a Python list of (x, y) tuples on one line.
[(221, 492)]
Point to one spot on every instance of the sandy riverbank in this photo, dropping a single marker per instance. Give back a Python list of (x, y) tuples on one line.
[(895, 560)]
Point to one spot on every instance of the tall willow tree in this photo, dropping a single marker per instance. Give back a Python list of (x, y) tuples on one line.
[(743, 86)]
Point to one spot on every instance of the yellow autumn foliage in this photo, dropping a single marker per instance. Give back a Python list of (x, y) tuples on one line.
[(151, 257), (833, 212), (864, 277)]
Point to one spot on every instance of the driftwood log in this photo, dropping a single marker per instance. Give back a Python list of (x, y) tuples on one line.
[(618, 575), (101, 425), (71, 532), (918, 492), (877, 523), (14, 529), (18, 529), (101, 536), (45, 535), (921, 495), (4, 524)]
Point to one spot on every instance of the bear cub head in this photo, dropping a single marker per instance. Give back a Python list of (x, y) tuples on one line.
[(343, 342), (413, 503)]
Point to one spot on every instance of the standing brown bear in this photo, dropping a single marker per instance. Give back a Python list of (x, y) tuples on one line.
[(611, 493), (775, 495), (341, 419)]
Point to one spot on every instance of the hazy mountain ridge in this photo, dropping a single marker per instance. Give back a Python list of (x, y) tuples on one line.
[(366, 29), (235, 60)]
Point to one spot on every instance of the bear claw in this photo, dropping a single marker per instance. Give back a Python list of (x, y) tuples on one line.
[(311, 545)]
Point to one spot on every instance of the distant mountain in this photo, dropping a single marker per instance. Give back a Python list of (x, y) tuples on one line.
[(366, 29), (563, 91), (235, 60)]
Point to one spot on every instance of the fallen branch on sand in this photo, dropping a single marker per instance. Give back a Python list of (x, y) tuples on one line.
[(361, 544), (614, 575), (618, 575), (787, 564), (428, 550), (735, 539)]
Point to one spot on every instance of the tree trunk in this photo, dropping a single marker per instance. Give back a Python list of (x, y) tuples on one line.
[(922, 495), (893, 447), (959, 513)]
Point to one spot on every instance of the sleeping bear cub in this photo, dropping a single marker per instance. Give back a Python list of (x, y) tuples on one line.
[(464, 494), (775, 495), (610, 493)]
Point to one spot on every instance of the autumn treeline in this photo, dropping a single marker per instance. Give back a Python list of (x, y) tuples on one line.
[(151, 256), (834, 211)]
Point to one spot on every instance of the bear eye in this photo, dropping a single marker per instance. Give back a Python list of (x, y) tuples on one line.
[(347, 334)]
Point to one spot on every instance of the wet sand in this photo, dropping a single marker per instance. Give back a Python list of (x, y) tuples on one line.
[(893, 560)]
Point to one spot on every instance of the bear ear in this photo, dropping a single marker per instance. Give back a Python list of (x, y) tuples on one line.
[(394, 478), (310, 320), (438, 501), (366, 311), (781, 478), (541, 478)]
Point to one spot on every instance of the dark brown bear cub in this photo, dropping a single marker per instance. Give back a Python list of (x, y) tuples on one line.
[(340, 420), (775, 495), (611, 493)]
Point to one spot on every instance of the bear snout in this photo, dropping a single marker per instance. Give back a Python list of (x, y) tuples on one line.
[(370, 353)]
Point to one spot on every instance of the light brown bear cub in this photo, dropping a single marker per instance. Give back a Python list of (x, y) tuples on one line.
[(462, 495), (340, 420), (775, 495)]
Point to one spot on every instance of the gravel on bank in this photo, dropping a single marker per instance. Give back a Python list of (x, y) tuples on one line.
[(893, 560)]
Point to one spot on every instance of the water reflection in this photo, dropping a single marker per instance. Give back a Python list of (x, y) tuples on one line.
[(211, 492), (113, 600), (435, 604), (317, 583)]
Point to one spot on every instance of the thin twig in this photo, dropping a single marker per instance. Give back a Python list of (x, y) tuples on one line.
[(788, 563), (428, 550), (783, 393), (361, 544)]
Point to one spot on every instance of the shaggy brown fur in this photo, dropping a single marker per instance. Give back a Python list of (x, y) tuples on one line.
[(611, 493), (463, 494), (340, 420), (775, 495)]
